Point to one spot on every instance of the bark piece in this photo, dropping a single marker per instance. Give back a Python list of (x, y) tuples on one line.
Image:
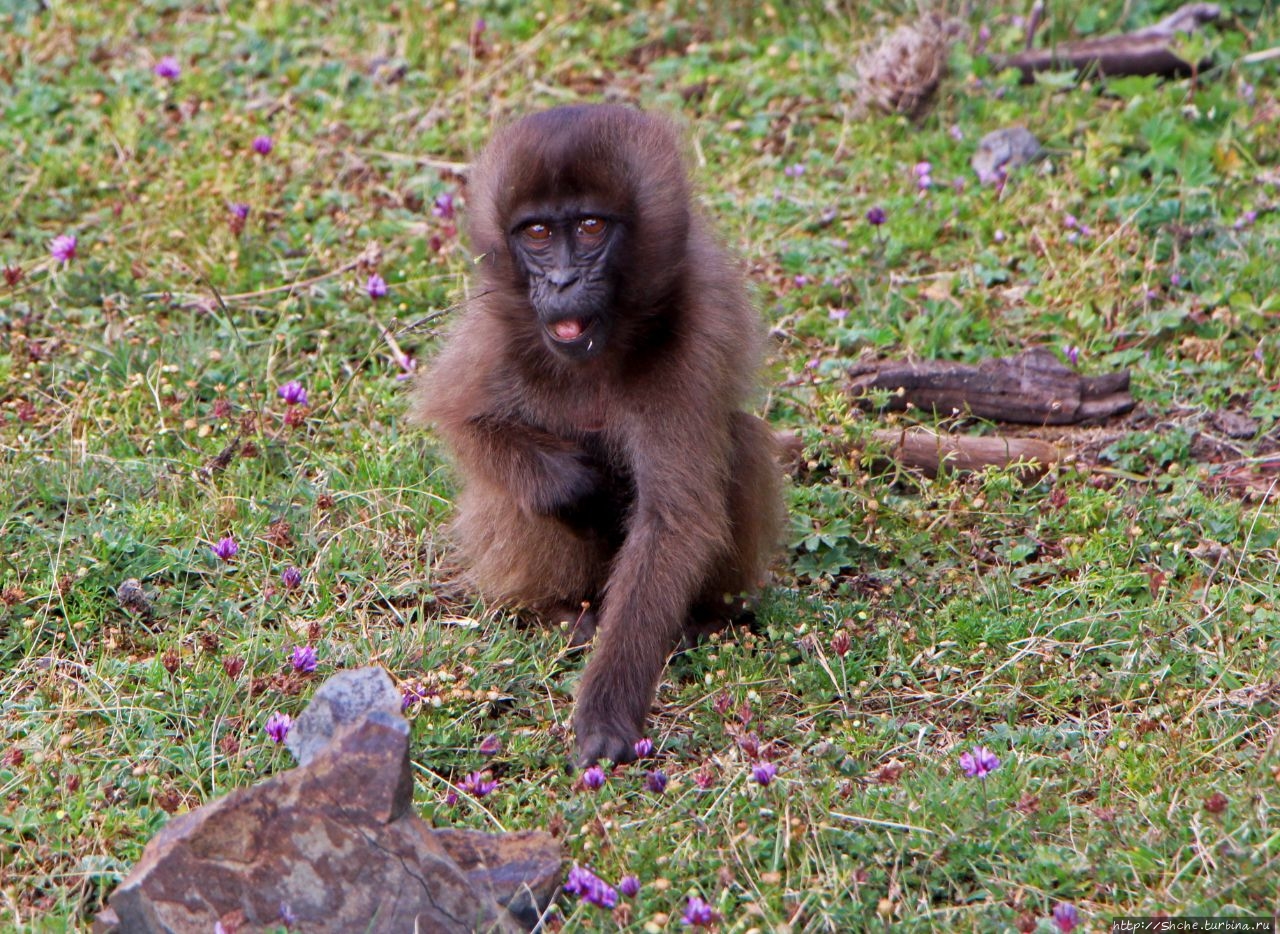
[(1147, 51), (334, 846), (1033, 388), (927, 451)]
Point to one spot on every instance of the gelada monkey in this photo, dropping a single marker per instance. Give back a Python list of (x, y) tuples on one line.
[(592, 396)]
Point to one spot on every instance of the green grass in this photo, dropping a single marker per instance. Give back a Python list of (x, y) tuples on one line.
[(1112, 632)]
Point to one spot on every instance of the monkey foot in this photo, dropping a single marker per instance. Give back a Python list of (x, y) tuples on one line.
[(580, 620), (701, 626), (584, 630)]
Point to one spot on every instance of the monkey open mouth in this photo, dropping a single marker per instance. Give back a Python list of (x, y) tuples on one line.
[(572, 331)]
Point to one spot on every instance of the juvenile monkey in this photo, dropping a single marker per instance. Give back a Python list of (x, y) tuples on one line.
[(592, 396)]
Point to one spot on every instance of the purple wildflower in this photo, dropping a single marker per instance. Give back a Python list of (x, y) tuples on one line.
[(408, 365), (1070, 222), (409, 695), (924, 175), (656, 781), (167, 68), (225, 549), (980, 763), (593, 778), (239, 210), (1073, 354), (998, 236), (376, 286), (1175, 280), (303, 659), (629, 886), (794, 171), (957, 134), (63, 248), (698, 913), (1065, 917), (291, 577), (1245, 220), (263, 145), (443, 207), (801, 281), (287, 915), (643, 747), (278, 725), (764, 772), (477, 785), (590, 888), (838, 314), (491, 745), (293, 393), (876, 216)]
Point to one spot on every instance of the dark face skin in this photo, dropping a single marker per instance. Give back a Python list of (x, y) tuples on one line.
[(565, 253)]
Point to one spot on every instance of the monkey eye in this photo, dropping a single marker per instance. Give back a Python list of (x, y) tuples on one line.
[(537, 234), (591, 227)]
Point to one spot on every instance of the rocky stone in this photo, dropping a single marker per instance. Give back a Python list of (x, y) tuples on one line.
[(333, 845), (347, 697)]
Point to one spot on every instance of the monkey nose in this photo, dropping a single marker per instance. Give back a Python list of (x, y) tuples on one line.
[(562, 278)]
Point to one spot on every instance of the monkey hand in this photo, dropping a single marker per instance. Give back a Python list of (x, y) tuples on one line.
[(601, 730), (614, 742)]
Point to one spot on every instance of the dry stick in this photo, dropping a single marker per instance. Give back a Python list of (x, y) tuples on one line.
[(430, 162), (928, 452), (1146, 51), (1033, 23), (1264, 55), (517, 58), (223, 300)]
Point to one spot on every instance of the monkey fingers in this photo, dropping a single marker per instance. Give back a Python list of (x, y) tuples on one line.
[(613, 741)]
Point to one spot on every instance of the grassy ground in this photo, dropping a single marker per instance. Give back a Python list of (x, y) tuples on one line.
[(1112, 633)]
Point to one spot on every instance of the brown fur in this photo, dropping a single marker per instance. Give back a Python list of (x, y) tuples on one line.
[(660, 408)]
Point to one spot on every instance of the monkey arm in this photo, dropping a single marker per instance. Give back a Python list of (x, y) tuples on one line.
[(680, 526)]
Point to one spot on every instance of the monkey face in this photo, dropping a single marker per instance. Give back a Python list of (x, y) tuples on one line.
[(564, 254)]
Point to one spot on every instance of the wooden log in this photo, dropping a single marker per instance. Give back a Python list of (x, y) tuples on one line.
[(927, 451), (1148, 51), (1033, 388)]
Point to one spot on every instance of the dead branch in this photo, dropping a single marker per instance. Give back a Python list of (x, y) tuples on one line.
[(928, 451), (1033, 388), (1148, 51)]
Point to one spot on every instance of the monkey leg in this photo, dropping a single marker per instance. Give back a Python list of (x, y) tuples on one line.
[(755, 514), (527, 560)]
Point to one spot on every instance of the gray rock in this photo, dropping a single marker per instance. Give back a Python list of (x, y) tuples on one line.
[(334, 846), (345, 698), (1003, 150)]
